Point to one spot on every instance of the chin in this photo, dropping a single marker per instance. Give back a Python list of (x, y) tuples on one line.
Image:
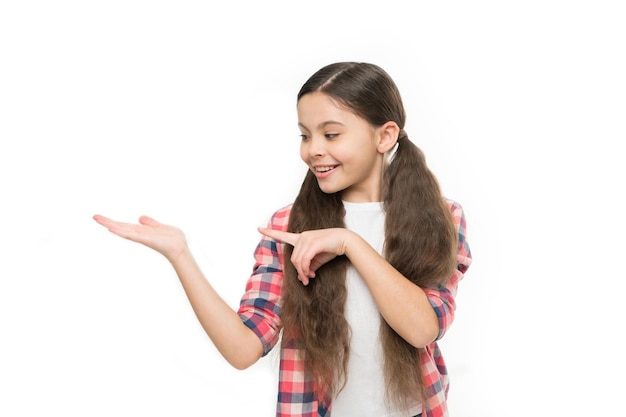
[(329, 190)]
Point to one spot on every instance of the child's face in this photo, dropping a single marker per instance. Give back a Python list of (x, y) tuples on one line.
[(340, 148)]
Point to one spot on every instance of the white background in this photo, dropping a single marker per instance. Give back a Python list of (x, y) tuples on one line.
[(185, 111)]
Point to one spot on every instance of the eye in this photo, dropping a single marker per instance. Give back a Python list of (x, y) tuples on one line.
[(304, 137), (331, 135)]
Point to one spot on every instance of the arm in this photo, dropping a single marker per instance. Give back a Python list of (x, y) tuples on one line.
[(403, 304), (419, 315), (235, 341), (260, 306), (442, 298)]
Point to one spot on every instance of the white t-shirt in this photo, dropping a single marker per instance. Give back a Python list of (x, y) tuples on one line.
[(363, 394)]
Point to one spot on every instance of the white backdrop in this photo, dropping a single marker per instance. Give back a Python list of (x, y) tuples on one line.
[(185, 111)]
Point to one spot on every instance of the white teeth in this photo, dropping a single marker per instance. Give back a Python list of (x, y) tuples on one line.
[(323, 169)]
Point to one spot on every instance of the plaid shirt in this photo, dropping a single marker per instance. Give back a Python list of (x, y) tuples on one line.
[(260, 310)]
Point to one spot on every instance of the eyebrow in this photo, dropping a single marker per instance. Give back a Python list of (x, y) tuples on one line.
[(323, 124)]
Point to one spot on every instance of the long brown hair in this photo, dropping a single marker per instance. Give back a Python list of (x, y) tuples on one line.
[(420, 241)]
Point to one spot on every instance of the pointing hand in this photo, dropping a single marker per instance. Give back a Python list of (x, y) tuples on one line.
[(311, 249)]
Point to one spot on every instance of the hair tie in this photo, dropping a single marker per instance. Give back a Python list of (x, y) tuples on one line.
[(392, 152)]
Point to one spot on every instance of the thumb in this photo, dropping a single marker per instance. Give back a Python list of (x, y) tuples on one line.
[(148, 221)]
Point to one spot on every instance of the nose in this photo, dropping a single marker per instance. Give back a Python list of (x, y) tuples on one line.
[(315, 146)]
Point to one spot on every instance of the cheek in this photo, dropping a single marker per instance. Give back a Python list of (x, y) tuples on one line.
[(347, 154)]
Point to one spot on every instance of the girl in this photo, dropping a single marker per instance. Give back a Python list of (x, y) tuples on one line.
[(356, 279)]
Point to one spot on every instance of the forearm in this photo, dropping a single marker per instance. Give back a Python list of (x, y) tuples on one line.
[(403, 305), (234, 340)]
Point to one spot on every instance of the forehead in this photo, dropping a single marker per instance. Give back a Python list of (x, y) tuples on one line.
[(315, 108)]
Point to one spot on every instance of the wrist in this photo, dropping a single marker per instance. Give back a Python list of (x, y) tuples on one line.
[(350, 242), (179, 256)]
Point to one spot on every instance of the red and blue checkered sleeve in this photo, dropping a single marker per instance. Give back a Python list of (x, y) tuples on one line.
[(442, 298), (259, 307)]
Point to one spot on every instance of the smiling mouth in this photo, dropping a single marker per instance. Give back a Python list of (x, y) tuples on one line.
[(325, 169)]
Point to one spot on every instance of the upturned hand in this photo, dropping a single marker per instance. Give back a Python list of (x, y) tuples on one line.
[(167, 240)]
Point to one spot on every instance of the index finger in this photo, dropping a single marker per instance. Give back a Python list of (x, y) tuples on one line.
[(125, 230), (286, 237)]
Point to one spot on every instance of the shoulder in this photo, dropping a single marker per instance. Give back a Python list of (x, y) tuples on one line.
[(457, 210), (280, 218), (464, 256), (458, 216)]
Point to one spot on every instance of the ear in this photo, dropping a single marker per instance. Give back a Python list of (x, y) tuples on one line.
[(388, 136)]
